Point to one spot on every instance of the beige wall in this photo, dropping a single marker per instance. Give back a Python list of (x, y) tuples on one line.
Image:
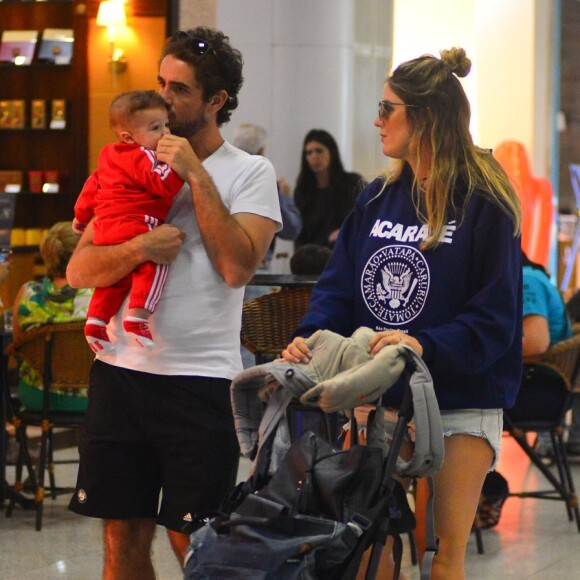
[(506, 58), (510, 46), (198, 13), (142, 42), (502, 38)]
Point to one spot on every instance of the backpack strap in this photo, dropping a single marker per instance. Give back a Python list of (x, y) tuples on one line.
[(248, 391), (429, 451), (431, 540)]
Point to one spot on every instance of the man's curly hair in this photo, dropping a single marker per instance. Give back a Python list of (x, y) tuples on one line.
[(219, 68)]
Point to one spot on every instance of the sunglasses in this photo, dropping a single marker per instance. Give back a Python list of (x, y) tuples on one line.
[(386, 107), (199, 46)]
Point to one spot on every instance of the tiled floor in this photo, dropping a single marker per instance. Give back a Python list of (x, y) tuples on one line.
[(534, 539)]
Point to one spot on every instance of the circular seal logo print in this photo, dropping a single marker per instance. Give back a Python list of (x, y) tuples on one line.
[(395, 282)]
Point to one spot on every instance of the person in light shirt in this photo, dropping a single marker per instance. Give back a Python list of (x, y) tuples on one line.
[(160, 445)]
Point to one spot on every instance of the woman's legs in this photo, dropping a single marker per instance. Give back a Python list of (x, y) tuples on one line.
[(457, 489)]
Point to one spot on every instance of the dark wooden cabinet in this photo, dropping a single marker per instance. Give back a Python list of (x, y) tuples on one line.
[(64, 150)]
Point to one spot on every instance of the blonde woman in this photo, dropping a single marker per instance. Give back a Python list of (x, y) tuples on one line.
[(48, 301), (430, 257)]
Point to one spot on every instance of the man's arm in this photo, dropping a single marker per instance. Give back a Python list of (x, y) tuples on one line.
[(236, 244), (98, 266)]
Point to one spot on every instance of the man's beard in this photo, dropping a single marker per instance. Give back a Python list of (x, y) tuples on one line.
[(189, 128)]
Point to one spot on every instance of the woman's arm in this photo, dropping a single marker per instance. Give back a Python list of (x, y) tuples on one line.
[(99, 266), (331, 305), (489, 323), (536, 339)]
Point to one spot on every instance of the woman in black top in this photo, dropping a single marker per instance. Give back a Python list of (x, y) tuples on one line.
[(325, 192)]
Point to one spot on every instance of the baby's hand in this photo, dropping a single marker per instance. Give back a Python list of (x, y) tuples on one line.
[(78, 227)]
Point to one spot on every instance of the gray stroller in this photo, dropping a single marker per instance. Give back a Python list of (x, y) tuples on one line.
[(309, 510)]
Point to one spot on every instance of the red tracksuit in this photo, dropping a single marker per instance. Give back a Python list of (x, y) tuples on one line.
[(130, 194)]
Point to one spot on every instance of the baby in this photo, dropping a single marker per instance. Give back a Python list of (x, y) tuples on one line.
[(129, 194)]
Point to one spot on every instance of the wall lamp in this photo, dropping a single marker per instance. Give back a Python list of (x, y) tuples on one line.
[(112, 15)]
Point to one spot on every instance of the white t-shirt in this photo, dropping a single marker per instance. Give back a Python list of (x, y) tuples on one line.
[(196, 326)]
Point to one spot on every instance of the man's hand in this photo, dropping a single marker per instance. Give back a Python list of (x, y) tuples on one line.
[(235, 244), (178, 154), (161, 245), (97, 266)]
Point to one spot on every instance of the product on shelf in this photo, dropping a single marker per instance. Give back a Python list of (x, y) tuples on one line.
[(17, 46), (58, 114), (12, 114), (38, 114), (56, 45), (35, 181), (10, 180)]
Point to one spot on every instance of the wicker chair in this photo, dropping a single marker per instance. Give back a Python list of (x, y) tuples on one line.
[(563, 359), (268, 321), (59, 353), (267, 326)]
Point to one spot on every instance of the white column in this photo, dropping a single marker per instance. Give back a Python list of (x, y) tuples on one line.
[(310, 64), (510, 45)]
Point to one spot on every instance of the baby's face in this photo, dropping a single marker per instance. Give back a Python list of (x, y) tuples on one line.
[(149, 126)]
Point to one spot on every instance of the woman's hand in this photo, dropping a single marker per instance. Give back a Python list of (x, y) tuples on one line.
[(284, 187), (333, 236), (297, 351), (386, 337)]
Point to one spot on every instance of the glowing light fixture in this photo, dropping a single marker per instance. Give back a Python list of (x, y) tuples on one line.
[(112, 15)]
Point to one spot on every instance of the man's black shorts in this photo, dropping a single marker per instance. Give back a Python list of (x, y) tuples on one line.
[(148, 433)]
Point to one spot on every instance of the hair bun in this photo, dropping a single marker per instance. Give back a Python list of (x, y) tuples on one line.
[(457, 61)]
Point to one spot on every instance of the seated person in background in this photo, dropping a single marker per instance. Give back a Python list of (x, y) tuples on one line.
[(573, 444), (310, 260), (129, 194), (545, 317), (545, 323), (252, 139), (325, 193), (5, 263), (50, 301)]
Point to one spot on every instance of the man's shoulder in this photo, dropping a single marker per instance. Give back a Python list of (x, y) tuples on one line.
[(237, 161), (231, 153)]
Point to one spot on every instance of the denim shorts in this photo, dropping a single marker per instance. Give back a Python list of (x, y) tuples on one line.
[(485, 423)]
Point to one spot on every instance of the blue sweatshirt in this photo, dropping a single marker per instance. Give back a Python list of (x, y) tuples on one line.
[(461, 300)]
